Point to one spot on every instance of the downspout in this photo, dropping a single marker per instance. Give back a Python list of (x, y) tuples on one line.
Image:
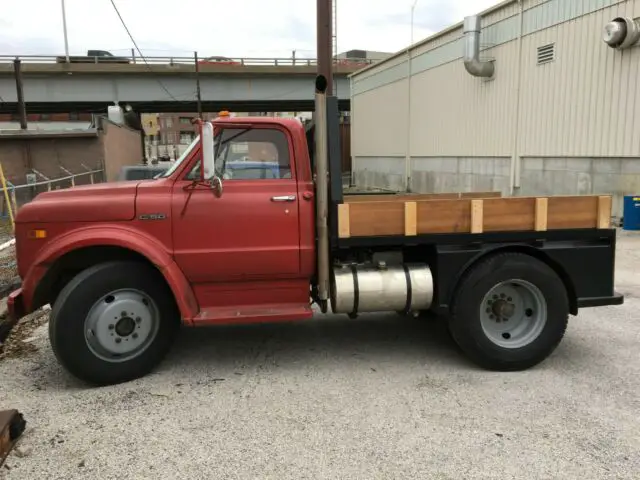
[(516, 160), (472, 62)]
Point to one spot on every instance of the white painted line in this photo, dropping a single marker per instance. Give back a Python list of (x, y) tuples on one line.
[(8, 244)]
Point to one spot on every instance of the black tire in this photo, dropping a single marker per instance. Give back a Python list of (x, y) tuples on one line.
[(465, 322), (67, 321)]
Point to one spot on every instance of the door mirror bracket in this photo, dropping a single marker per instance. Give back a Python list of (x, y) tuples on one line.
[(216, 186)]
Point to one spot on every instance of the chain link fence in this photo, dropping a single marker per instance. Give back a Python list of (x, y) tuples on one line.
[(22, 194)]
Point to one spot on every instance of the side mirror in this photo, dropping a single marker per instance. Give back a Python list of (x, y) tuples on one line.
[(208, 153), (208, 167)]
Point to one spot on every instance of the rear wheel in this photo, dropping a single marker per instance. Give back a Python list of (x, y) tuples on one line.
[(510, 312), (113, 322)]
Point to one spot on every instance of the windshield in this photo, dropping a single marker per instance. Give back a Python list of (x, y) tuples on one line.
[(179, 161)]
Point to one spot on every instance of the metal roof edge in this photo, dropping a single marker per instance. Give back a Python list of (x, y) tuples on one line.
[(38, 134), (430, 38)]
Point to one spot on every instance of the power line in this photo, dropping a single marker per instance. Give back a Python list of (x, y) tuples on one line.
[(113, 3)]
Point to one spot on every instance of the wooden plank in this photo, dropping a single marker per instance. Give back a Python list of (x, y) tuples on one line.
[(344, 220), (477, 216), (418, 197), (481, 195), (398, 198), (604, 212), (508, 214), (378, 218), (572, 212), (542, 209), (444, 216), (410, 219)]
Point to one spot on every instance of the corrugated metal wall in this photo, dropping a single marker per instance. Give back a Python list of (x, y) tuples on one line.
[(585, 103)]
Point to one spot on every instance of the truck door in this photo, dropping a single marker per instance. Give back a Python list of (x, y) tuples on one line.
[(251, 231)]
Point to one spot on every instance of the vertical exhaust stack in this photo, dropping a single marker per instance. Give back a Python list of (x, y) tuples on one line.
[(472, 62), (322, 199), (324, 88)]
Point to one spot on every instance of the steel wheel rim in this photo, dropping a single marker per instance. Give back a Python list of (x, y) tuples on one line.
[(121, 325), (513, 314)]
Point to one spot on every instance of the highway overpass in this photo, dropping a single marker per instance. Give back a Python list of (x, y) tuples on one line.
[(162, 85)]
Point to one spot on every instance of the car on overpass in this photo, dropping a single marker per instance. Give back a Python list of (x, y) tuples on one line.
[(94, 56), (218, 60)]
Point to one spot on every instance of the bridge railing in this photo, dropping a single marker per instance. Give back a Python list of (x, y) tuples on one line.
[(154, 60)]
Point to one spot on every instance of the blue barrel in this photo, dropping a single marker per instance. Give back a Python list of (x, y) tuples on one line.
[(631, 212)]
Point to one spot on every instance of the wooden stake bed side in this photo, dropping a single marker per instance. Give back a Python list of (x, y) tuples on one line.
[(414, 215), (417, 197)]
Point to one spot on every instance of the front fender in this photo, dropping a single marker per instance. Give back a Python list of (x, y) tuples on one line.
[(116, 236)]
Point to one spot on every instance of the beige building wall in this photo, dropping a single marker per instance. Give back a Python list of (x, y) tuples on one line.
[(50, 156), (570, 126), (58, 154), (122, 146)]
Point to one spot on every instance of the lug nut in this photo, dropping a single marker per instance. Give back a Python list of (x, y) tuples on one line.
[(111, 327), (135, 335), (123, 314), (138, 319), (118, 340)]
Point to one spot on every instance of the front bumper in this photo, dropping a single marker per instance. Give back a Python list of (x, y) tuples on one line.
[(615, 299), (15, 305), (15, 311)]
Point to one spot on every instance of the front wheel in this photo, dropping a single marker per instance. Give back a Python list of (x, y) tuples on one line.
[(113, 322), (510, 312)]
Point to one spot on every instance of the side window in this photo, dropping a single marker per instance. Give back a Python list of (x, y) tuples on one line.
[(251, 154)]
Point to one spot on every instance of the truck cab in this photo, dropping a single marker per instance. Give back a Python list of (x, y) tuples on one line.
[(124, 265)]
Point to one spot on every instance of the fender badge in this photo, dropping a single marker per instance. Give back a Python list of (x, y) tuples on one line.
[(152, 216)]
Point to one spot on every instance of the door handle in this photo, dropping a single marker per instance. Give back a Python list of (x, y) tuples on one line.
[(284, 198)]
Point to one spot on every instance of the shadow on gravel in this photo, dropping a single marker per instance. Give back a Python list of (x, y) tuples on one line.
[(376, 338), (217, 353)]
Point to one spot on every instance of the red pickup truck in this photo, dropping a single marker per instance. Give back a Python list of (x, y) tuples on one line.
[(124, 264)]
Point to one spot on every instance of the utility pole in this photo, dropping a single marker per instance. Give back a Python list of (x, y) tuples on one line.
[(64, 29), (325, 61), (198, 96), (22, 109), (334, 35), (22, 113)]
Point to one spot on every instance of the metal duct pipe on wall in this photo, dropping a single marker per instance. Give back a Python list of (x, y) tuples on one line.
[(472, 62), (622, 32)]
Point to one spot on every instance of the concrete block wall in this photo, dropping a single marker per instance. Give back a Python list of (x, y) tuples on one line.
[(540, 176), (379, 172), (581, 176), (48, 155), (460, 174), (434, 174)]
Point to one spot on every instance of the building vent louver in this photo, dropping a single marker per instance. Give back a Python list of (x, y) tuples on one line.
[(546, 53)]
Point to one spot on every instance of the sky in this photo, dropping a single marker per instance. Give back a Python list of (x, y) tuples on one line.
[(233, 28)]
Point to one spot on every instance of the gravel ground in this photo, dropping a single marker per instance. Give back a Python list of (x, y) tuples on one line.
[(378, 397)]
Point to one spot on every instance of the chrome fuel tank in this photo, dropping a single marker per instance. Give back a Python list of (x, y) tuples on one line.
[(370, 288)]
